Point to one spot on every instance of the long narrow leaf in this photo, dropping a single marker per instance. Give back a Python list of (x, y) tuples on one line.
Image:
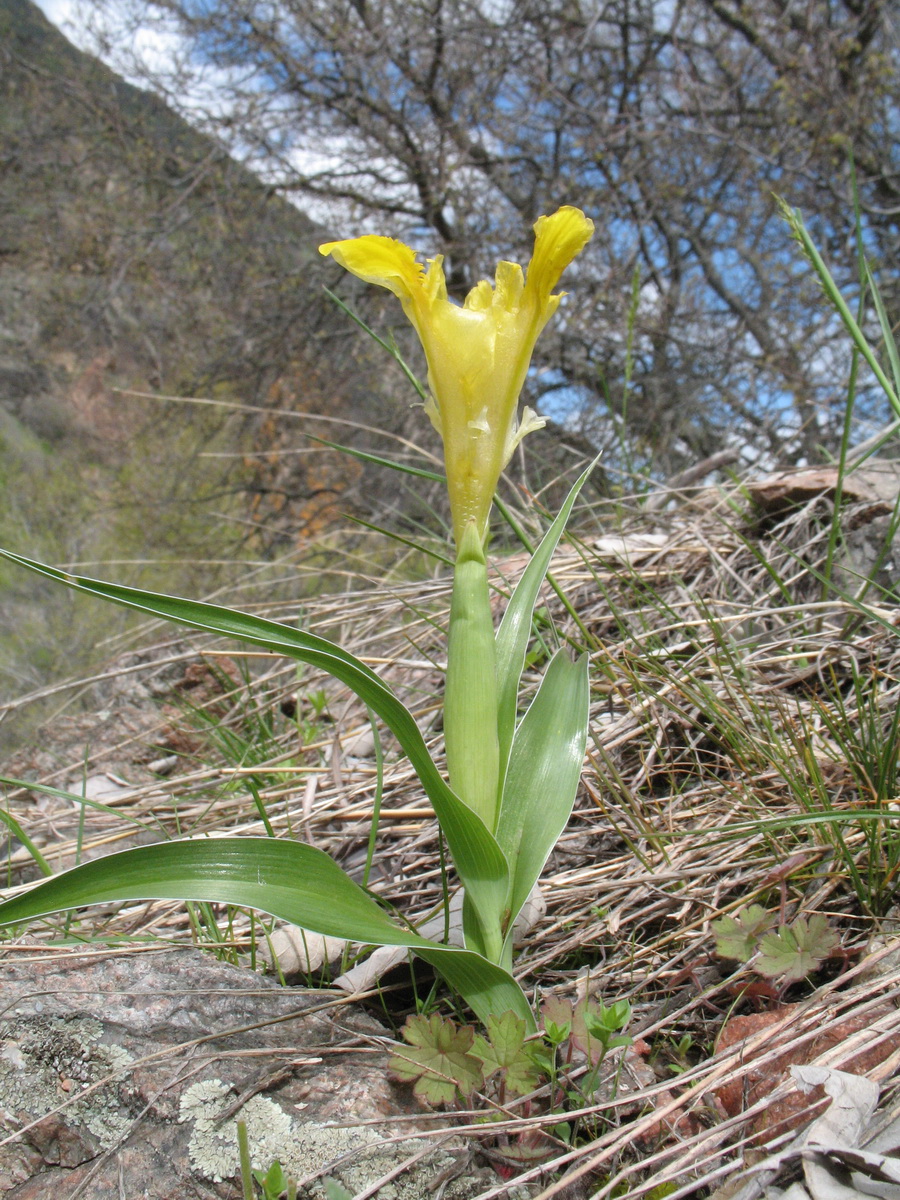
[(479, 861), (17, 831), (544, 770), (378, 460), (390, 346), (832, 291), (515, 628), (288, 880), (73, 798), (887, 332)]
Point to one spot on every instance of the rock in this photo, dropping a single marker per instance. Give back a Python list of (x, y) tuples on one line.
[(882, 955), (125, 1074), (779, 492), (869, 552), (881, 476), (756, 1081), (298, 952), (631, 549), (868, 549)]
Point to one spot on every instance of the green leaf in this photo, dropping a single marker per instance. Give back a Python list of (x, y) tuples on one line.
[(796, 950), (603, 1022), (17, 831), (389, 346), (273, 1182), (506, 1051), (335, 1190), (887, 330), (486, 987), (294, 882), (515, 628), (558, 1014), (594, 1026), (72, 797), (544, 771), (478, 859), (437, 1060), (832, 291), (738, 937)]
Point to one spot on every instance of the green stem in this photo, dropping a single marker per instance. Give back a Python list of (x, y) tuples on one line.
[(470, 697), (244, 1153), (484, 933), (506, 954)]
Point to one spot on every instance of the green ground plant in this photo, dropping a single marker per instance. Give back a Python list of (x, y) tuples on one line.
[(558, 1069), (788, 953), (740, 722), (512, 779)]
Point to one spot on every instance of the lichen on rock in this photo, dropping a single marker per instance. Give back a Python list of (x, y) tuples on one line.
[(305, 1147), (47, 1062), (213, 1146)]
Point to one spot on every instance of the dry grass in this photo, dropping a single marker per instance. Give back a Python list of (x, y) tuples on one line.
[(716, 665)]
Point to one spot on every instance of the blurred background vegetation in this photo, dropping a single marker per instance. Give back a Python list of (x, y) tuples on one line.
[(673, 123), (155, 252), (138, 261)]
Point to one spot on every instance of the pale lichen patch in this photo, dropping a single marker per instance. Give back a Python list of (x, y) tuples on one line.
[(47, 1062), (213, 1147), (305, 1147)]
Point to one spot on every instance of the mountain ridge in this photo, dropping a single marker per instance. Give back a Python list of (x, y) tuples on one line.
[(136, 254), (139, 261)]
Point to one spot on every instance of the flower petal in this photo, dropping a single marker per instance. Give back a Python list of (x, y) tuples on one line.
[(529, 422), (510, 285), (380, 260), (557, 240)]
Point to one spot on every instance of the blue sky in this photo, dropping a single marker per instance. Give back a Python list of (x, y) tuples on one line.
[(61, 13)]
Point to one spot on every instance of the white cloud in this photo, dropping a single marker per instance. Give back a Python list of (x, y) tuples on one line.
[(56, 10), (63, 14), (154, 46)]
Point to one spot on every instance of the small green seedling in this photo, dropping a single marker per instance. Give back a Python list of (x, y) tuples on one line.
[(790, 953), (335, 1190), (275, 1183), (437, 1060), (593, 1027), (588, 1026), (680, 1050)]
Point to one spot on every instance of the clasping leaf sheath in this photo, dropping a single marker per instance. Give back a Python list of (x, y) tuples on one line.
[(470, 695)]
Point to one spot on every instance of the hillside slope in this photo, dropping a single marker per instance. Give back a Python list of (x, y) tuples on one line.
[(139, 262), (136, 256), (135, 252), (125, 234)]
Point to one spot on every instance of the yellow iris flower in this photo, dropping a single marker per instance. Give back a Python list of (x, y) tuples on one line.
[(478, 354)]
